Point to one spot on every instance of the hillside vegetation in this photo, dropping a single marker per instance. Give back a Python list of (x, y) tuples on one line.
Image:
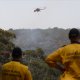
[(5, 40), (47, 39)]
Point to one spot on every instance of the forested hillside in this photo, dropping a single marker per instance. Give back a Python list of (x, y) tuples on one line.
[(6, 44), (47, 39), (6, 40)]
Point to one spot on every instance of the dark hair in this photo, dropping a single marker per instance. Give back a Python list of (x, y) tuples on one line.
[(17, 52), (74, 33)]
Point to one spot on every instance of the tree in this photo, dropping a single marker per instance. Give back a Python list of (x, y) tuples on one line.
[(5, 40), (40, 52)]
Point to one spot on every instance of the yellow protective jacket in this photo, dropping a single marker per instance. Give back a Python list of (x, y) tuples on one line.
[(15, 71), (69, 56)]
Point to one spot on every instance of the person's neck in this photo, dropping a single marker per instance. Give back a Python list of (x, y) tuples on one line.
[(18, 60), (75, 42)]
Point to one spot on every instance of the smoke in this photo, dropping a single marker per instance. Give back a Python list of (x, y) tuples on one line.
[(48, 39)]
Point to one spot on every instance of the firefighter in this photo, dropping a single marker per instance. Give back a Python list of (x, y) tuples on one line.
[(14, 70), (68, 56)]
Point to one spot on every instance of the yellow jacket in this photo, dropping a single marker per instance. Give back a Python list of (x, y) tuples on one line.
[(15, 71), (69, 56)]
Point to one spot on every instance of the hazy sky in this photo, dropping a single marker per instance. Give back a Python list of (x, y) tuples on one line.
[(58, 13)]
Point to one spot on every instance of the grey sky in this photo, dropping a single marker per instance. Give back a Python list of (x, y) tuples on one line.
[(58, 13)]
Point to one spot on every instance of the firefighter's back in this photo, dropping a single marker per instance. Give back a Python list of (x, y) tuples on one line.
[(14, 71)]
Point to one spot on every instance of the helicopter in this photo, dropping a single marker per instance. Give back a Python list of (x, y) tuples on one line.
[(39, 9)]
